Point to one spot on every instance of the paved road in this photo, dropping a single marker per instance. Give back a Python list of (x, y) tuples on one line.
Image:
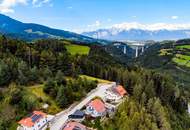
[(62, 117)]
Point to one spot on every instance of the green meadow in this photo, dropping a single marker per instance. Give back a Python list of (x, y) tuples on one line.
[(77, 49)]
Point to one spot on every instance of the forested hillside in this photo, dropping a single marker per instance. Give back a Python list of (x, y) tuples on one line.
[(54, 69), (170, 57), (32, 75), (31, 31), (156, 101)]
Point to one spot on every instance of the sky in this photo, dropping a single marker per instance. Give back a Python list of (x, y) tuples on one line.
[(87, 15)]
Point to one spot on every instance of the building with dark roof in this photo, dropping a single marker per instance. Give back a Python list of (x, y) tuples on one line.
[(77, 115)]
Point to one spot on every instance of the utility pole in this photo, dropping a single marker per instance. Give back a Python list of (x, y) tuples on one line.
[(29, 55)]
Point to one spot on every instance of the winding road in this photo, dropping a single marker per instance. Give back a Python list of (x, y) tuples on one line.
[(61, 118)]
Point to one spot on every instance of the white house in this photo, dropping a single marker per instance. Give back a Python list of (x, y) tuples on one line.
[(111, 96), (115, 94), (35, 121), (96, 108)]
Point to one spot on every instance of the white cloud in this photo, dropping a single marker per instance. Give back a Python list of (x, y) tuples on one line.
[(174, 17), (6, 6), (87, 28), (40, 3), (96, 24), (69, 7), (109, 20), (134, 16), (34, 1), (151, 27)]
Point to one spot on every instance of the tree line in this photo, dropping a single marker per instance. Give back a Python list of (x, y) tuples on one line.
[(153, 93), (156, 102)]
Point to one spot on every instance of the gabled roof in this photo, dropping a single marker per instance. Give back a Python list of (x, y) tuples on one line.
[(32, 118), (120, 90), (74, 126), (98, 105)]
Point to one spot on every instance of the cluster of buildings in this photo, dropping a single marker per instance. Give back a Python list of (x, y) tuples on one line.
[(97, 107)]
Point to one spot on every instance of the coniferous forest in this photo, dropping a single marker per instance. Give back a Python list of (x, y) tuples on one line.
[(156, 102)]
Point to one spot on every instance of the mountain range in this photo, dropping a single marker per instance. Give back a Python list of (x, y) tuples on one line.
[(134, 31), (30, 31), (138, 34)]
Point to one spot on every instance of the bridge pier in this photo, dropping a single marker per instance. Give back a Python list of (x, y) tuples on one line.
[(142, 49), (137, 49), (125, 50)]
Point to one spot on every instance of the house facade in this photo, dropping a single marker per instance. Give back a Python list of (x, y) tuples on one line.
[(115, 94), (110, 96), (35, 121), (96, 108)]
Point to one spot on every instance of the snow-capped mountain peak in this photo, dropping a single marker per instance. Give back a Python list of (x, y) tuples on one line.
[(137, 31)]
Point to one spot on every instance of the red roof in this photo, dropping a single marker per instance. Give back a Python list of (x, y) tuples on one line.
[(120, 90), (74, 126), (32, 119), (98, 105)]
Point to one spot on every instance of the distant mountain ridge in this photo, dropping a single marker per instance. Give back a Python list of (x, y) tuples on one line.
[(138, 34), (30, 31)]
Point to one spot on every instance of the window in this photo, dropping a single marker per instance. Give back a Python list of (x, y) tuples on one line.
[(91, 108)]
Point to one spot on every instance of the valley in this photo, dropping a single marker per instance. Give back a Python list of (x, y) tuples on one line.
[(171, 57), (97, 65), (52, 75)]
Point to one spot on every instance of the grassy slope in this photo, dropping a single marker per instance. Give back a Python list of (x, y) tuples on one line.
[(94, 79), (37, 90), (170, 59), (184, 47), (180, 57), (6, 109), (77, 49)]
